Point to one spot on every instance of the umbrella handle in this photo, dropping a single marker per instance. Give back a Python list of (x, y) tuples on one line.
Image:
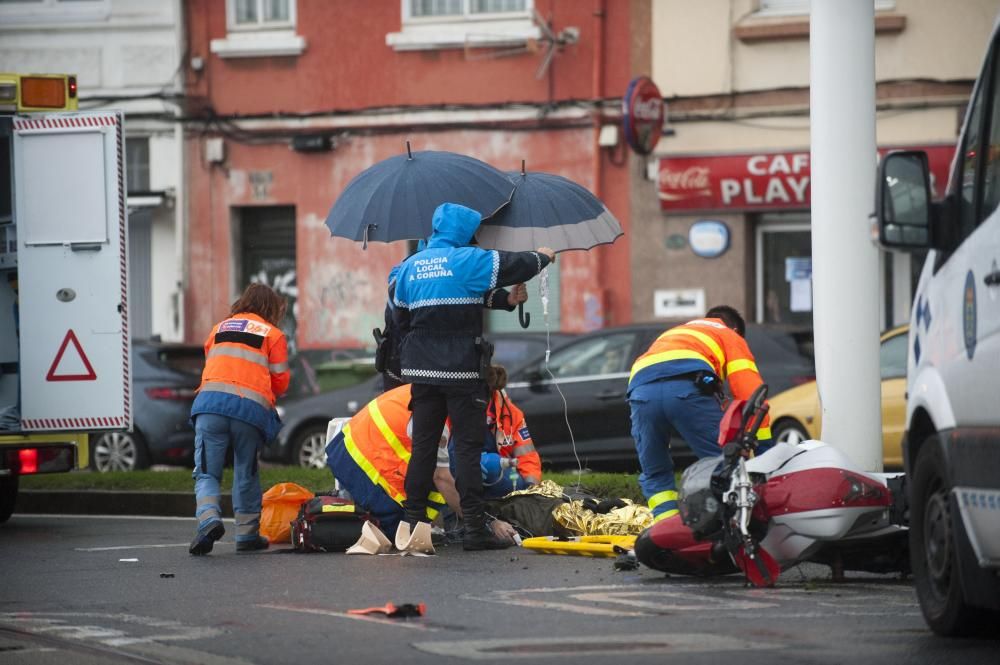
[(524, 318)]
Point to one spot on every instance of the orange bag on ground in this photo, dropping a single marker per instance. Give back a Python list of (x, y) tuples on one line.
[(280, 508)]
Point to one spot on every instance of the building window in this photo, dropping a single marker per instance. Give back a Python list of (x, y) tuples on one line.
[(53, 11), (463, 8), (792, 7), (137, 164), (261, 14), (259, 28), (437, 24)]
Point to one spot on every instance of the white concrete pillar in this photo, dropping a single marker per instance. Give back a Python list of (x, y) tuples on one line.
[(845, 261)]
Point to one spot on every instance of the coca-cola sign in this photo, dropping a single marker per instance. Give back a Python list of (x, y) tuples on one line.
[(758, 181), (643, 111)]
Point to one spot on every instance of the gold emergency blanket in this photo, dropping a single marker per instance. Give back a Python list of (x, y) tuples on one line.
[(629, 520)]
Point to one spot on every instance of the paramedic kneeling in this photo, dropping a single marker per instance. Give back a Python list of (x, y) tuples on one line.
[(677, 382), (246, 369), (509, 460), (370, 457)]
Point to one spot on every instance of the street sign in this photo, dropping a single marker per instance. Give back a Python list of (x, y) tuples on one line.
[(643, 111)]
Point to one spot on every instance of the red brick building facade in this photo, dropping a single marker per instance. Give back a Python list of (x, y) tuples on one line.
[(288, 100)]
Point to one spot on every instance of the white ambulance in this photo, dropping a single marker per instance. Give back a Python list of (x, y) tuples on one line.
[(64, 342), (952, 444)]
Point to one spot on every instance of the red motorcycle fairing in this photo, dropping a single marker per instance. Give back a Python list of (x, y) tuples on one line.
[(670, 546), (819, 489)]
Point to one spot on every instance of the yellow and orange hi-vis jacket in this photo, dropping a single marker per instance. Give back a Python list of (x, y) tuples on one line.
[(377, 438), (246, 370), (512, 436), (702, 344)]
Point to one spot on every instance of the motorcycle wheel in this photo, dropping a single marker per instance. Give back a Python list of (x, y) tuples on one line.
[(933, 551)]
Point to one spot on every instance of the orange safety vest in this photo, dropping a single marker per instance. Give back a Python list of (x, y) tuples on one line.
[(248, 357), (377, 440), (702, 344), (512, 436)]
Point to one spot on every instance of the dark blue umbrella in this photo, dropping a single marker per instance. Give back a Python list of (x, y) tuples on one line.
[(548, 210), (396, 198)]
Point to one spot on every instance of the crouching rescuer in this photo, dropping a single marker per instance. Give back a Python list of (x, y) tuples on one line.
[(509, 461), (246, 369), (678, 382)]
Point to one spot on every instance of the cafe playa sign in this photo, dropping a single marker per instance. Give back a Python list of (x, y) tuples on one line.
[(756, 181)]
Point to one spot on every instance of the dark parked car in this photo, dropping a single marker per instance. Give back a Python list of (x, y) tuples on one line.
[(302, 439), (592, 374), (164, 380)]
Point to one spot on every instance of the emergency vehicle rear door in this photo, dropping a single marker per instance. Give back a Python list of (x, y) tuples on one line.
[(70, 212)]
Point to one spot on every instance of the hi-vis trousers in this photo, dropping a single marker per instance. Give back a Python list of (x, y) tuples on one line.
[(213, 436), (655, 407)]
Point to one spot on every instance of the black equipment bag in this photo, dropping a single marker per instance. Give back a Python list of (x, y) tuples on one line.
[(327, 524)]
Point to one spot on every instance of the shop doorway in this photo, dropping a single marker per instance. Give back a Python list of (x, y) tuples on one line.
[(784, 270)]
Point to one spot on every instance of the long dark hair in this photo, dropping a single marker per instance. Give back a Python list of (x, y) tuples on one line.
[(260, 299)]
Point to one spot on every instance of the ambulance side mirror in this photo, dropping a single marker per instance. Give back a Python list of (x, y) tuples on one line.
[(903, 201)]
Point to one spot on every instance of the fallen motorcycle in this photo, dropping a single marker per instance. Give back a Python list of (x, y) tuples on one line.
[(764, 514)]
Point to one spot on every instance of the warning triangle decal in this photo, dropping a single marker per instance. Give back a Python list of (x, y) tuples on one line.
[(90, 375)]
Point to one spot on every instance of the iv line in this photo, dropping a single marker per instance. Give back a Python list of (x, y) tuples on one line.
[(543, 293)]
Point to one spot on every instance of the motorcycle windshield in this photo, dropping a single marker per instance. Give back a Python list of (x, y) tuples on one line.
[(698, 476)]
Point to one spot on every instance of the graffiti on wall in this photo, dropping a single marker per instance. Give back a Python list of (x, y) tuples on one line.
[(279, 274)]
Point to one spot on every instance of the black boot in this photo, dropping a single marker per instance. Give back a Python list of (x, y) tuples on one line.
[(205, 539), (483, 538)]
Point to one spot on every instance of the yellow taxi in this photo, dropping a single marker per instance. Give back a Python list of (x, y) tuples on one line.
[(796, 416)]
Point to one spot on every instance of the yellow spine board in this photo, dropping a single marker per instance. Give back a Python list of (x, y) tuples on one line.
[(604, 546)]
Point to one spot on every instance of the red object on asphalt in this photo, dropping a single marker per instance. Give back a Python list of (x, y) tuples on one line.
[(395, 611)]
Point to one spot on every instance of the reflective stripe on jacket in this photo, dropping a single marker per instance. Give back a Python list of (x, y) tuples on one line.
[(378, 442), (512, 436), (246, 369), (701, 345)]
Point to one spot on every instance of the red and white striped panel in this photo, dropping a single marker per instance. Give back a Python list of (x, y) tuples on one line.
[(36, 424), (123, 267), (22, 124)]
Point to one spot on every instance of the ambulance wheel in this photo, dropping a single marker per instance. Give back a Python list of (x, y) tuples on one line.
[(933, 551), (8, 497), (790, 431), (309, 448), (118, 451)]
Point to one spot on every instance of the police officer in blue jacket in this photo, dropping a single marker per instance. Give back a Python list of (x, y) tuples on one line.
[(395, 322), (440, 293)]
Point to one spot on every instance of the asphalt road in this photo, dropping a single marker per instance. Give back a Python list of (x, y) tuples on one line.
[(124, 590)]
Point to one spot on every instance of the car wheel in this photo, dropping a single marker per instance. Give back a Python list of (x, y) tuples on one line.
[(933, 552), (790, 431), (118, 451), (309, 449), (8, 497)]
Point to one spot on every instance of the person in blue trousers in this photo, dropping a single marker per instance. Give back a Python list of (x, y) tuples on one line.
[(246, 369)]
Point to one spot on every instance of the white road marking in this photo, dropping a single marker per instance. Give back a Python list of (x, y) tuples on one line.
[(144, 518), (621, 646), (132, 547), (68, 625), (344, 615), (645, 601)]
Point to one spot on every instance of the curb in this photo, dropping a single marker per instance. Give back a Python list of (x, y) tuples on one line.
[(103, 502)]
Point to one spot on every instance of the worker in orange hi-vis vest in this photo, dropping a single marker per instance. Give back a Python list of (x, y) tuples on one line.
[(509, 461), (246, 369), (678, 382)]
